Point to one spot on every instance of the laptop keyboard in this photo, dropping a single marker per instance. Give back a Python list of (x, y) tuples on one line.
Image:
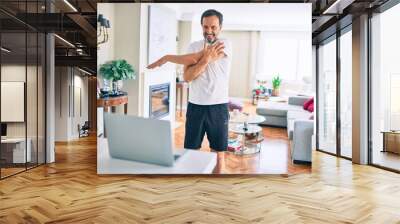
[(178, 154)]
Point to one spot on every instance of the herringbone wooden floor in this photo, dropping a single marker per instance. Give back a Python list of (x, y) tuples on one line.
[(70, 191)]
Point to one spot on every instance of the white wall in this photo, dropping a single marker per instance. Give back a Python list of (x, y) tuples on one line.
[(17, 73), (106, 51), (70, 83), (128, 39), (33, 127), (130, 42), (184, 40), (239, 80), (61, 114), (184, 36)]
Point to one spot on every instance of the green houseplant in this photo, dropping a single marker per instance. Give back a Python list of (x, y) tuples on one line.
[(276, 84), (116, 71)]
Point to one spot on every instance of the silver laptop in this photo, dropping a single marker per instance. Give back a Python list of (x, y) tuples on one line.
[(140, 139)]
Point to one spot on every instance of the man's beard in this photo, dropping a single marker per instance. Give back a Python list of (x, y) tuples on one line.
[(210, 40)]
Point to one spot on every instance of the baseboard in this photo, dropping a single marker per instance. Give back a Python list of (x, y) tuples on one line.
[(302, 162), (273, 126)]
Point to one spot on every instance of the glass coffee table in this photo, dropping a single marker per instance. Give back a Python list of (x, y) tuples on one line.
[(245, 135)]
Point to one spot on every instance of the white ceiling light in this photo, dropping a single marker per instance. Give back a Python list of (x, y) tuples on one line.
[(64, 40), (70, 5), (5, 50), (86, 72), (338, 6)]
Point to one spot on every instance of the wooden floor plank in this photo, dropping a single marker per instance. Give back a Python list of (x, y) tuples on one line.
[(70, 191)]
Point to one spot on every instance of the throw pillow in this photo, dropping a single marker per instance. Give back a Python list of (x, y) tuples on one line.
[(311, 107), (307, 103)]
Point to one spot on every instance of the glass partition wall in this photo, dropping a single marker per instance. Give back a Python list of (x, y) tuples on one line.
[(385, 90), (346, 93), (327, 96), (22, 77), (334, 104)]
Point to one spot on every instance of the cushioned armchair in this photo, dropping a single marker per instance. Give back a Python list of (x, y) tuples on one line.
[(301, 142)]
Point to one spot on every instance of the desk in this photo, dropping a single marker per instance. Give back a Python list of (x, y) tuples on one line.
[(179, 88), (192, 162), (391, 141), (113, 102), (13, 150)]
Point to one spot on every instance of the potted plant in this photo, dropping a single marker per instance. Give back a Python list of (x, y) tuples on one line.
[(116, 71), (276, 83)]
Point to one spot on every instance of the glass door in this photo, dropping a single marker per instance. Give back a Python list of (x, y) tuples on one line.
[(327, 96), (346, 93), (22, 78), (13, 95), (385, 90)]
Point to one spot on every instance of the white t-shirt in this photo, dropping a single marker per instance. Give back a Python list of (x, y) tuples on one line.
[(211, 86)]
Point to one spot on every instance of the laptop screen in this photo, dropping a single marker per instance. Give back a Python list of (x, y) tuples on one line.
[(3, 129)]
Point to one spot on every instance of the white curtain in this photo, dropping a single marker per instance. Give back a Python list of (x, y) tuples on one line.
[(287, 54)]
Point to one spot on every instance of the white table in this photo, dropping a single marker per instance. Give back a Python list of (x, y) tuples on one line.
[(243, 118), (191, 162), (19, 155), (245, 126)]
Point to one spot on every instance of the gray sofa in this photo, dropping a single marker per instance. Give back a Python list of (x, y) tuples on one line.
[(292, 116)]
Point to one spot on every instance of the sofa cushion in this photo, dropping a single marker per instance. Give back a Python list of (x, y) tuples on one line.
[(310, 108), (294, 115), (308, 103), (298, 100), (298, 114), (275, 108)]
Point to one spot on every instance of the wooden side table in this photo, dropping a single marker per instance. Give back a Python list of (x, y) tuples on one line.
[(391, 141), (257, 97), (113, 102), (180, 86)]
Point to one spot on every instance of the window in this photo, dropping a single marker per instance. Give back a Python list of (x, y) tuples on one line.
[(346, 94), (385, 87), (287, 54), (327, 96)]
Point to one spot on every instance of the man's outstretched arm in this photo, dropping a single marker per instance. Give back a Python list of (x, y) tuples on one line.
[(187, 59)]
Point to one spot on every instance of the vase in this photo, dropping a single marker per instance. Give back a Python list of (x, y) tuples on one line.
[(117, 86), (275, 92), (106, 85)]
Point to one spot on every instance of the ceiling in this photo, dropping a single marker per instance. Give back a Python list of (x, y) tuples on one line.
[(264, 16), (76, 21)]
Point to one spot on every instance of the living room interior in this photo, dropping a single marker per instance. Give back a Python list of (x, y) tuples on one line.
[(255, 65), (355, 158)]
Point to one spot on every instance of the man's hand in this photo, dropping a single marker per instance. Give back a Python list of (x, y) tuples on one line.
[(214, 52), (209, 54), (158, 63)]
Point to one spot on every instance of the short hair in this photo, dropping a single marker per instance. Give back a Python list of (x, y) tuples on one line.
[(212, 12)]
